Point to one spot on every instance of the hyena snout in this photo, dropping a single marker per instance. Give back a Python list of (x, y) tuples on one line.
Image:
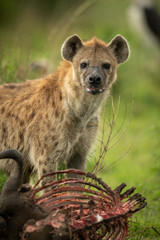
[(95, 83), (94, 80)]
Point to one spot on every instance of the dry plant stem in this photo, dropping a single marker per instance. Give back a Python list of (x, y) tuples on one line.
[(124, 131), (105, 147), (123, 155), (103, 151), (111, 124), (122, 124)]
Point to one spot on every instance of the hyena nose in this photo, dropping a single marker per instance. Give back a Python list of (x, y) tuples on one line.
[(94, 79)]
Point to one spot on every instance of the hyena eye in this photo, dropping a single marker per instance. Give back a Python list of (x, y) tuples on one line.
[(83, 65), (106, 66)]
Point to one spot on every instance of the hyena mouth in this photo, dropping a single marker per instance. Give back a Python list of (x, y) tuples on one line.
[(94, 91)]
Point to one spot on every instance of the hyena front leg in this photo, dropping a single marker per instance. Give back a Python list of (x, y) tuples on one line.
[(42, 160), (46, 165), (81, 149), (42, 156)]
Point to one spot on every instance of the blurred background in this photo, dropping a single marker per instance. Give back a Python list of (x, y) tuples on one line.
[(31, 35)]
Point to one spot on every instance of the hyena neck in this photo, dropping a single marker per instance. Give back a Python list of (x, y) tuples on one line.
[(80, 103)]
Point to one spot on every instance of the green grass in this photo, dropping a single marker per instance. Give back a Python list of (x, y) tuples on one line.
[(138, 148)]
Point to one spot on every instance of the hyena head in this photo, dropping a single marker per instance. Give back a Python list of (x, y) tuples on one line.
[(95, 62)]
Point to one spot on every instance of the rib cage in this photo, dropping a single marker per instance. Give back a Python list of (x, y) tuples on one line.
[(84, 208)]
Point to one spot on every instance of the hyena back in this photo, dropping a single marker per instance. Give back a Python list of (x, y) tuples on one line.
[(55, 119)]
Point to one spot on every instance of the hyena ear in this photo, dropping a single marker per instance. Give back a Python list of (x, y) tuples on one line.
[(70, 47), (119, 48)]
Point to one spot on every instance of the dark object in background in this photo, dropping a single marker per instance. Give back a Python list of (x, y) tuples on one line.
[(71, 209), (145, 17), (153, 20)]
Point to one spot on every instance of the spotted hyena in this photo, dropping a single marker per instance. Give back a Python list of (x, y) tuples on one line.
[(55, 119)]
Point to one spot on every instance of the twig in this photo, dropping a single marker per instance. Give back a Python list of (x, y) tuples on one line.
[(124, 131), (117, 160), (105, 147)]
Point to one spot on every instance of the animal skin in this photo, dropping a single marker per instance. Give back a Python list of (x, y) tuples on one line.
[(55, 119)]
